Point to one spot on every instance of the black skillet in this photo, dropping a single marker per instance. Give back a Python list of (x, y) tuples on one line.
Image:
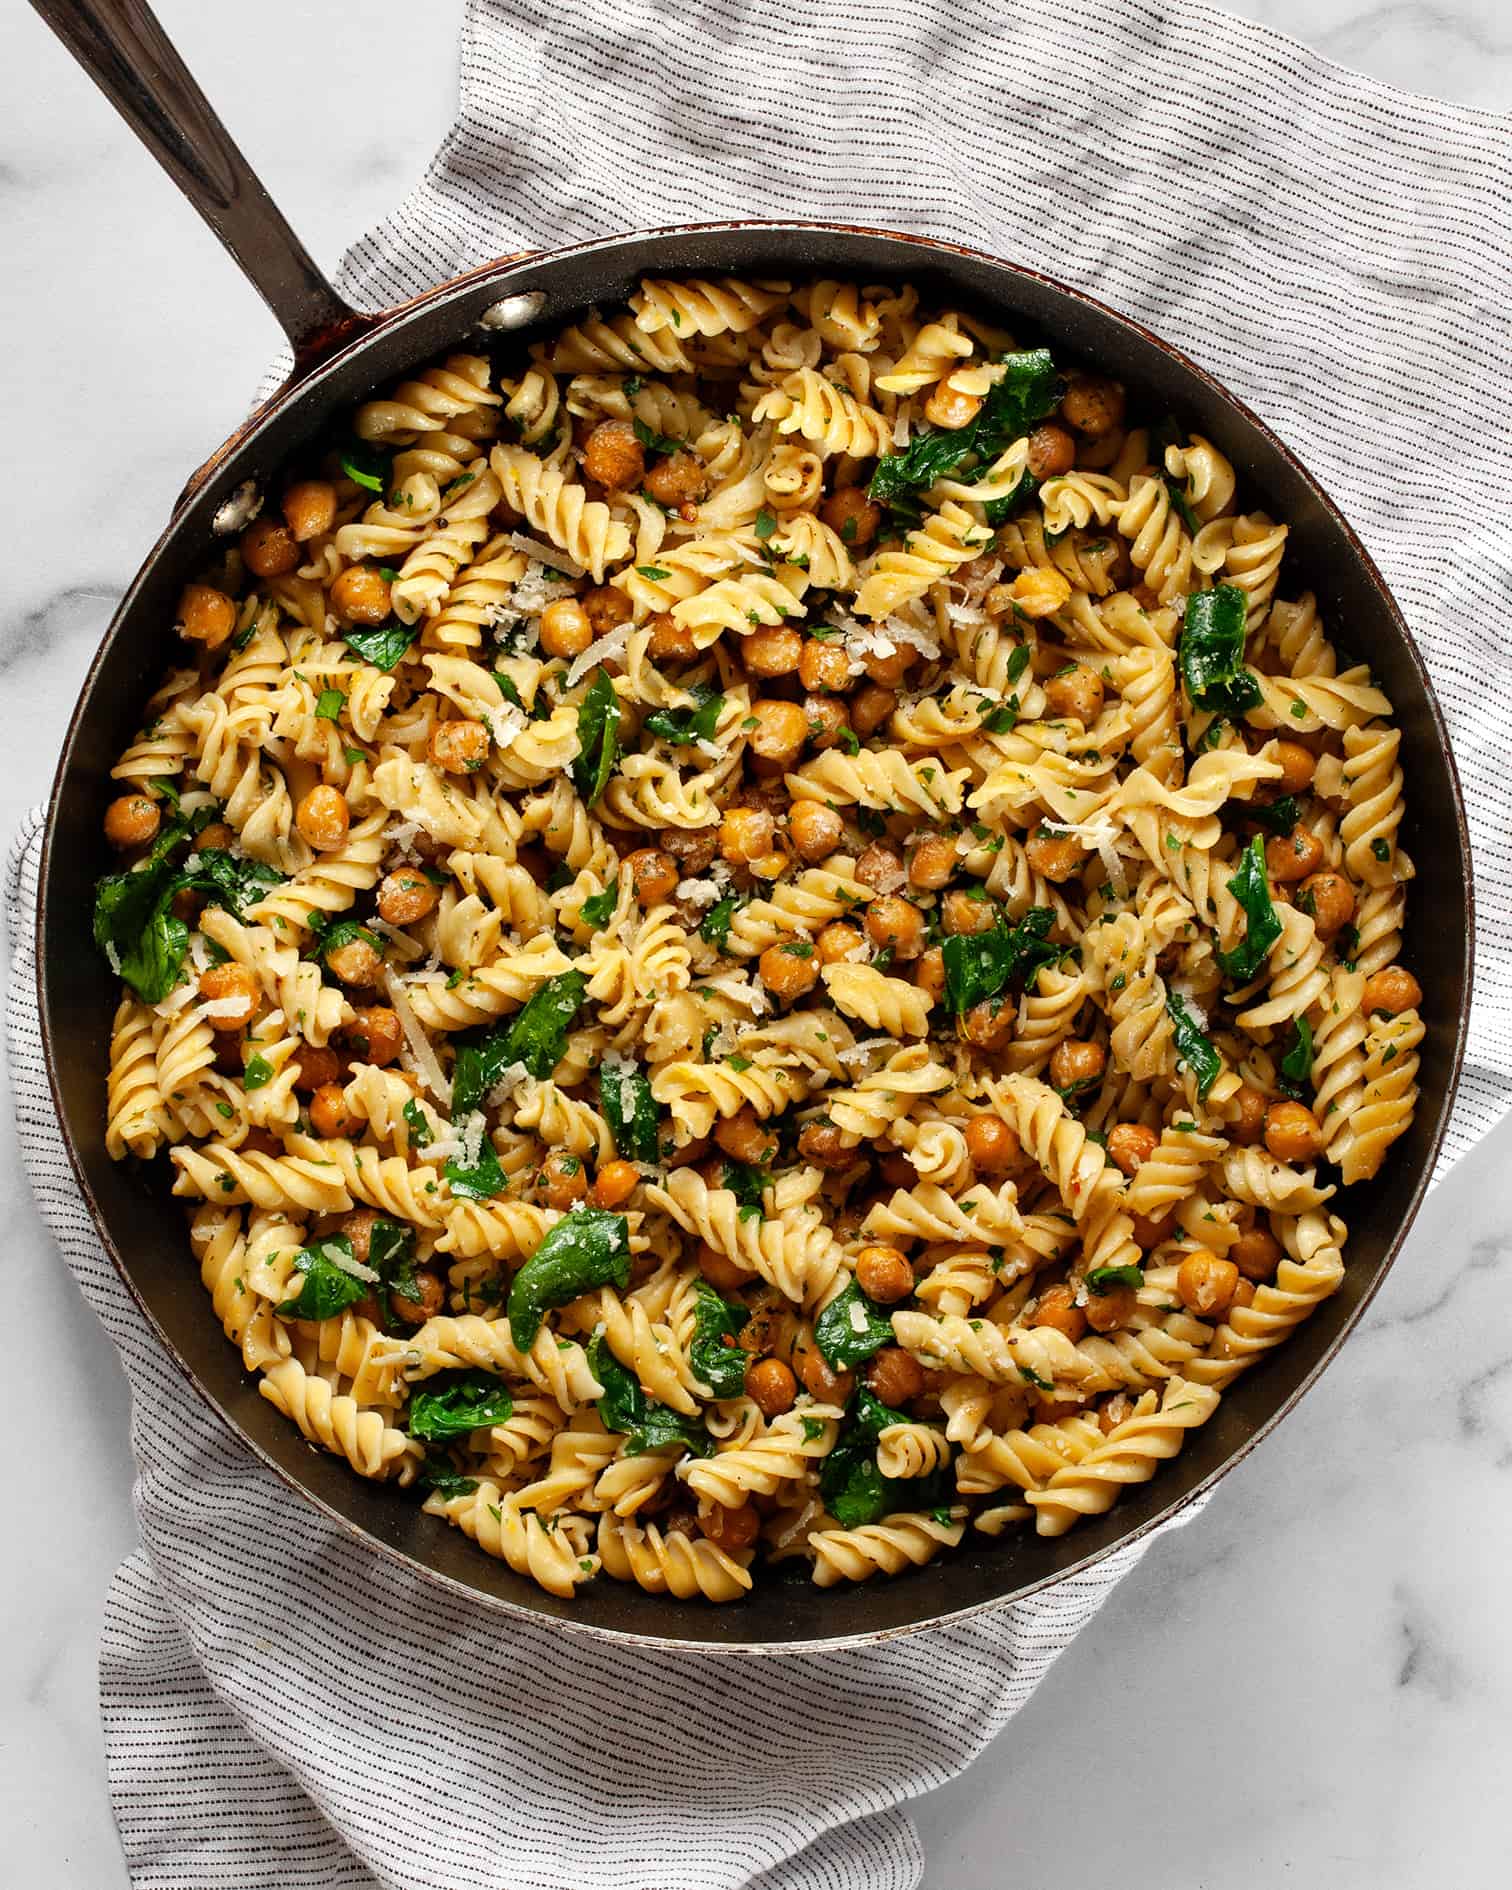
[(340, 357)]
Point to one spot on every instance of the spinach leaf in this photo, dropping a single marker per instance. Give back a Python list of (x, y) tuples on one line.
[(855, 1491), (626, 1409), (331, 936), (324, 1287), (391, 1255), (536, 1036), (979, 964), (598, 908), (851, 1327), (716, 1362), (1212, 651), (1192, 1047), (1108, 1279), (655, 442), (999, 511), (1262, 927), (419, 1127), (1177, 494), (227, 881), (443, 1476), (383, 645), (598, 738), (1278, 817), (630, 1110), (483, 1179), (715, 929), (133, 920), (453, 1403), (585, 1249), (682, 726), (370, 467), (746, 1180), (1027, 391), (1296, 1065)]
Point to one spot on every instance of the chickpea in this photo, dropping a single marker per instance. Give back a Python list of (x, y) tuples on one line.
[(881, 867), (605, 608), (897, 1170), (1052, 451), (929, 972), (323, 818), (358, 1228), (614, 1184), (773, 650), (430, 1297), (733, 1530), (405, 897), (653, 874), (693, 848), (1244, 1294), (1329, 897), (883, 1274), (894, 1376), (205, 615), (1151, 1231), (989, 1025), (357, 962), (1249, 1106), (821, 665), (1293, 855), (375, 1034), (361, 595), (1130, 1144), (853, 516), (132, 821), (814, 829), (745, 1139), (826, 720), (216, 838), (1297, 765), (1106, 1312), (1292, 1132), (309, 508), (888, 671), (965, 914), (1391, 991), (670, 641), (892, 924), (1054, 856), (268, 548), (932, 863), (1205, 1284), (993, 1146), (772, 1386), (230, 985), (778, 737), (1093, 405), (870, 708), (838, 942), (948, 406), (1057, 1307), (315, 1067), (678, 480), (1256, 1254), (829, 1387), (329, 1114), (723, 1274), (1076, 693), (789, 971), (1052, 1410), (1040, 592), (562, 1179), (613, 457), (1115, 1410), (565, 629), (745, 834), (1076, 1063), (824, 1145)]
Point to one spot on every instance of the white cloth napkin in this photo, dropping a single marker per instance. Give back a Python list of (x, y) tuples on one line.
[(282, 1708)]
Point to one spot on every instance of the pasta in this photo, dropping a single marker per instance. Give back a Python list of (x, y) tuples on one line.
[(756, 935)]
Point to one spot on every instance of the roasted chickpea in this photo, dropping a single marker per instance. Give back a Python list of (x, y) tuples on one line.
[(1130, 1144), (1244, 1294), (1076, 692), (966, 913), (268, 548), (428, 1299), (838, 942), (823, 1144), (562, 1179), (606, 609), (1329, 897), (1052, 451), (614, 1184), (897, 1170), (1150, 1231), (653, 875), (375, 1034), (819, 1381), (234, 991), (951, 407), (132, 820), (356, 962), (1256, 1254), (1109, 1310), (932, 863), (892, 924), (993, 1146), (1205, 1284), (1248, 1121), (821, 666), (1292, 1132), (1054, 856), (1113, 1411), (406, 896), (733, 1530), (1297, 766), (670, 641), (1093, 405), (772, 1386), (1391, 991), (1057, 1307), (852, 515), (789, 971), (894, 1376), (323, 818), (881, 867), (678, 480), (723, 1274), (745, 834), (1292, 856), (883, 1274), (814, 829), (205, 615), (329, 1114), (309, 508), (693, 848), (315, 1066), (565, 629), (744, 1138), (989, 1025), (358, 1228), (613, 457), (888, 671), (929, 972), (773, 650), (826, 721), (217, 837), (776, 741), (1040, 592), (1076, 1063), (361, 595), (870, 708)]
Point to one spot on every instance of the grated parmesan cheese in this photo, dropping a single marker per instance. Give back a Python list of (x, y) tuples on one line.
[(223, 1007), (540, 553), (113, 958), (348, 1263), (505, 724), (510, 1079), (426, 1066), (698, 892), (611, 644), (738, 991)]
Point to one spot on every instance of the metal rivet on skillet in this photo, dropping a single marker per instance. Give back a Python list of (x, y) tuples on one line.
[(513, 311), (238, 512)]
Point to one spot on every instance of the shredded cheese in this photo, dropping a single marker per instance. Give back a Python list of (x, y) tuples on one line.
[(427, 1068), (542, 553), (612, 644)]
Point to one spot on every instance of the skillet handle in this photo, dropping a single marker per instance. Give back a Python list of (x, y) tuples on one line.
[(122, 47)]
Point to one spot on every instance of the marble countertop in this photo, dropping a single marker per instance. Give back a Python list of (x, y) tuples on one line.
[(1314, 1683)]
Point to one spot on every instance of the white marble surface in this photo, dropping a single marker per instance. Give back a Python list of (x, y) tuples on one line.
[(1313, 1686)]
